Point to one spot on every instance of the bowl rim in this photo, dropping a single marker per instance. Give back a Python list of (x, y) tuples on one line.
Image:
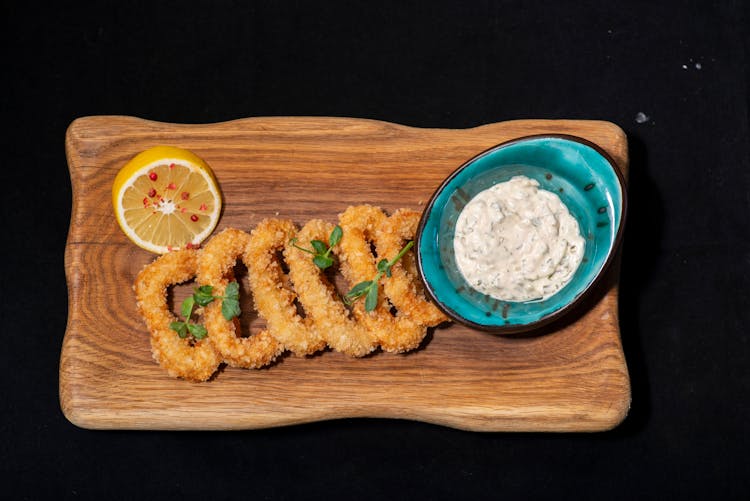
[(518, 328)]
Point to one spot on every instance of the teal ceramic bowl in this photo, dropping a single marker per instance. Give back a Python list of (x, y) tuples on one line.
[(587, 181)]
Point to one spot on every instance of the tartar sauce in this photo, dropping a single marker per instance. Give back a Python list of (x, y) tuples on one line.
[(516, 242)]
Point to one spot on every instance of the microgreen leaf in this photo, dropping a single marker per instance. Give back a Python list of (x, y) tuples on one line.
[(230, 308), (336, 235), (319, 246), (230, 304), (187, 307), (232, 291), (322, 262), (321, 253), (370, 287), (371, 301), (179, 327), (204, 295), (359, 290), (383, 265), (197, 330)]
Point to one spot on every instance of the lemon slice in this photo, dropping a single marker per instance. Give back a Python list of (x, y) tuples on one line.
[(165, 199)]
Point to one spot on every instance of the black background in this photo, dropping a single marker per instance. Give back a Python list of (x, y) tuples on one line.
[(686, 261)]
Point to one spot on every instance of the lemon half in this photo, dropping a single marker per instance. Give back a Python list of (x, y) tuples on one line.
[(166, 199)]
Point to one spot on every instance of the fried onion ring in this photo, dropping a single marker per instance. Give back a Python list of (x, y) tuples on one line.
[(214, 267), (360, 226), (274, 297), (194, 360), (303, 310), (320, 300), (403, 288)]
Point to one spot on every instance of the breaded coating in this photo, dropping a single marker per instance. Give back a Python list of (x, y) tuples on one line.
[(303, 311), (274, 297), (214, 267), (360, 225), (320, 300), (194, 360), (403, 289)]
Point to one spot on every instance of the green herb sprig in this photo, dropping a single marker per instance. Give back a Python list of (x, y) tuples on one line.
[(322, 253), (203, 296), (369, 288)]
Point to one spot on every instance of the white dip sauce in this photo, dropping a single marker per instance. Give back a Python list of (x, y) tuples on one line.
[(515, 242)]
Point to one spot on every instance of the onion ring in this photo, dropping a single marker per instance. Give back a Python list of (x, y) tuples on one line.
[(216, 261), (274, 297), (326, 320), (194, 360), (360, 225), (403, 289), (320, 300)]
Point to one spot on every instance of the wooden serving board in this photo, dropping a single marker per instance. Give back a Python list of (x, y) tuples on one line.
[(571, 377)]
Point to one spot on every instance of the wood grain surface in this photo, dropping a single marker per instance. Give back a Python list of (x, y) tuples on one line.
[(570, 377)]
